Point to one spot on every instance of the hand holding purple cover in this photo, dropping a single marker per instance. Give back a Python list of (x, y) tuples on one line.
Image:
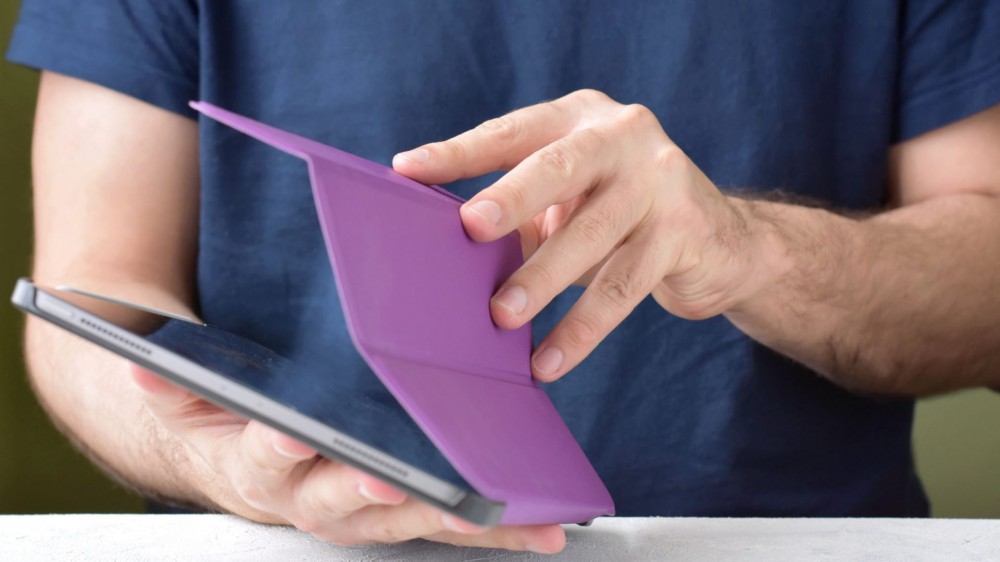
[(415, 290)]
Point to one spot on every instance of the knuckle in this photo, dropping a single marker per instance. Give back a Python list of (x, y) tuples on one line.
[(505, 129), (589, 229), (560, 159), (617, 288), (636, 117), (539, 274), (579, 332), (617, 214), (588, 140), (668, 158), (590, 96)]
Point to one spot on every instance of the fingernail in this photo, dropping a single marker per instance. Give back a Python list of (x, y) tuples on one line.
[(368, 495), (289, 454), (548, 360), (513, 298), (488, 210), (452, 524), (417, 155)]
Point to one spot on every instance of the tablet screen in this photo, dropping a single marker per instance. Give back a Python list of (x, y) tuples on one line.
[(305, 384)]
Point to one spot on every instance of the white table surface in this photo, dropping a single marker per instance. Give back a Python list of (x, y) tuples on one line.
[(221, 537)]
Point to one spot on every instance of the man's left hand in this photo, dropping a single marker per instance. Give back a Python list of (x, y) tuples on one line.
[(601, 196)]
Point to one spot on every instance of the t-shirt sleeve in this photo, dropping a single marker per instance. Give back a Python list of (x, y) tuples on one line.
[(147, 50), (950, 63)]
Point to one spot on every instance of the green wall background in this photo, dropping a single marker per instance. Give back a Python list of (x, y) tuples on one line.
[(957, 436)]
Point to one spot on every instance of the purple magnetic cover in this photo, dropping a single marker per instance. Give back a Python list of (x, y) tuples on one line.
[(415, 290)]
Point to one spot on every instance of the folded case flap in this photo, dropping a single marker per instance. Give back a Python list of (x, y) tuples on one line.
[(415, 291)]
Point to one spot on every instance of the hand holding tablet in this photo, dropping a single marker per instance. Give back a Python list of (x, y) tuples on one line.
[(465, 430), (286, 482)]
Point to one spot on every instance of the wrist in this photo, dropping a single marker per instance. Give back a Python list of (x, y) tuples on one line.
[(767, 263)]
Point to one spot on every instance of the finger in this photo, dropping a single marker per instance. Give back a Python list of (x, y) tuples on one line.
[(333, 491), (497, 144), (628, 277), (586, 239), (391, 524), (262, 472), (543, 539), (554, 174)]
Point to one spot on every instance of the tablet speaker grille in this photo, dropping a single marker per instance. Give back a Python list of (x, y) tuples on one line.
[(128, 343), (371, 458)]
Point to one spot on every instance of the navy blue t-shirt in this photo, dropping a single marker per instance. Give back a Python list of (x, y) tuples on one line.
[(679, 417)]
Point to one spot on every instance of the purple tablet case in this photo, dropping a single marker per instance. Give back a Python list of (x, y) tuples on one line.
[(415, 290)]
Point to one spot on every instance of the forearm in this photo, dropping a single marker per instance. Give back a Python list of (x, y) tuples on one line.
[(90, 396), (904, 302), (98, 228)]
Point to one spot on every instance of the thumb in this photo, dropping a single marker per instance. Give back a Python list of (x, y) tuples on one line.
[(156, 389)]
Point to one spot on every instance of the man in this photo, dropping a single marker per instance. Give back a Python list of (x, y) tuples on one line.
[(886, 110)]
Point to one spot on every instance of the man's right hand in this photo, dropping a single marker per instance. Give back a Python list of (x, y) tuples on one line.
[(269, 477), (98, 226)]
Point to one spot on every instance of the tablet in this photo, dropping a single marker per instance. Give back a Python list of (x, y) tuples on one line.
[(299, 396)]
